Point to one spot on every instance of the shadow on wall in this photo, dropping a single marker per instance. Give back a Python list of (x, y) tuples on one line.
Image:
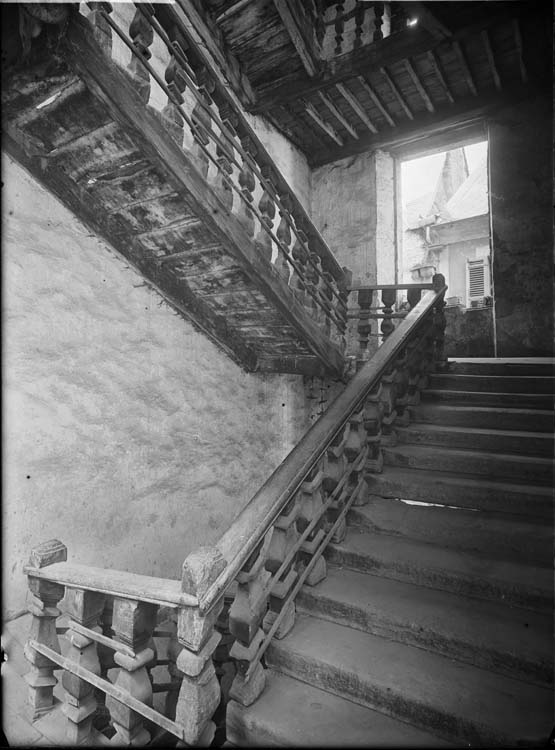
[(469, 332)]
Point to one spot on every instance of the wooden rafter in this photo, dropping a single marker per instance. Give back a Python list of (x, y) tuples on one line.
[(337, 114), (377, 101), (290, 21), (427, 19), (518, 43), (465, 69), (419, 87), (491, 59), (349, 97), (436, 66), (322, 124), (397, 93)]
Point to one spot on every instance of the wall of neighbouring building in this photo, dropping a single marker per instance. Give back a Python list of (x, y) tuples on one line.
[(127, 434), (522, 230)]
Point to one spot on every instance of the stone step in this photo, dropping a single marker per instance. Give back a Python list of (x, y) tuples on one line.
[(493, 383), (463, 491), (437, 694), (478, 438), (496, 418), (478, 463), (486, 398), (511, 641), (291, 713), (540, 366), (412, 561), (502, 536)]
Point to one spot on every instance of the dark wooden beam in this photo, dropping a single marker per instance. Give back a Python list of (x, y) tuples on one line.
[(518, 43), (337, 114), (354, 104), (464, 67), (491, 59), (397, 93), (427, 19), (419, 87), (322, 124), (438, 70), (376, 99), (290, 20)]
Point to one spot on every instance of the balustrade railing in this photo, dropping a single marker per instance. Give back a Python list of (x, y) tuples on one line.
[(154, 47)]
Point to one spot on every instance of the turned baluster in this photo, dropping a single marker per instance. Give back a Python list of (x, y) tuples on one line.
[(389, 297), (102, 31), (328, 298), (267, 209), (439, 324), (413, 297), (312, 502), (247, 184), (373, 415), (84, 608), (245, 622), (202, 121), (172, 118), (174, 648), (284, 236), (300, 255), (339, 27), (364, 327), (343, 284), (360, 10), (356, 452), (320, 287), (199, 695), (401, 389), (335, 465), (42, 599), (133, 623), (224, 664), (388, 399), (320, 22), (225, 153), (142, 35), (378, 21), (106, 658)]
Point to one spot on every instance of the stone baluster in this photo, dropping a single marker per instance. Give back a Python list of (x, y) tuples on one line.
[(439, 324), (226, 153), (267, 209), (378, 22), (320, 312), (360, 11), (373, 415), (283, 234), (142, 35), (84, 608), (42, 600), (202, 121), (320, 22), (174, 648), (365, 297), (224, 665), (199, 695), (413, 297), (335, 465), (133, 623), (402, 389), (389, 297), (343, 284), (388, 399), (339, 27), (102, 31), (300, 255), (171, 116), (106, 658), (311, 507), (420, 357), (284, 539), (246, 616), (247, 185), (356, 451)]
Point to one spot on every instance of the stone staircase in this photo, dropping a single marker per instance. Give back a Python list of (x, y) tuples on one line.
[(434, 626)]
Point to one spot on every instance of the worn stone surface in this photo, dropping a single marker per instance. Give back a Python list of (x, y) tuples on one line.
[(128, 434), (469, 332)]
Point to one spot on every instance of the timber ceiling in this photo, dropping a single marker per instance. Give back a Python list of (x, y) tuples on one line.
[(336, 83)]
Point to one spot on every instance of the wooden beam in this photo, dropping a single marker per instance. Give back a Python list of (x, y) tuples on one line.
[(427, 19), (377, 101), (491, 59), (349, 97), (436, 66), (322, 124), (293, 28), (397, 93), (336, 113), (310, 366), (518, 43), (232, 10), (464, 66), (419, 87)]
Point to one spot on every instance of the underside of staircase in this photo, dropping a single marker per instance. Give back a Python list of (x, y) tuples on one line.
[(434, 625)]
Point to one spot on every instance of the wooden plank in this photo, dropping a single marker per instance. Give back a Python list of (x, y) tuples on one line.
[(290, 22), (257, 516), (377, 101), (309, 366), (337, 114), (440, 75), (464, 67), (322, 124), (162, 591), (491, 59), (102, 639), (419, 87), (397, 93), (518, 43), (350, 98), (427, 19)]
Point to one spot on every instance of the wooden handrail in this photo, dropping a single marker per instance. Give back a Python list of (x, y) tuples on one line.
[(377, 287), (250, 526)]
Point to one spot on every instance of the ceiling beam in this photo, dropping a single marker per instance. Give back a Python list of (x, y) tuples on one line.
[(491, 59), (352, 101), (419, 87), (464, 67), (293, 26), (518, 43), (322, 124), (376, 99), (336, 113), (438, 70), (397, 93)]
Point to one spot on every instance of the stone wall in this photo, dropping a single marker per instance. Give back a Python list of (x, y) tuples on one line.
[(522, 228), (127, 434)]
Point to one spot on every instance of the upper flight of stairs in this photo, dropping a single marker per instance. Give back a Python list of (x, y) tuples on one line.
[(434, 626)]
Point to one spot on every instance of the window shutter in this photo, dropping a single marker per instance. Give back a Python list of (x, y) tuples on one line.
[(477, 281)]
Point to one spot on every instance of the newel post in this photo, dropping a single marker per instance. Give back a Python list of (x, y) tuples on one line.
[(439, 324), (199, 695), (43, 597)]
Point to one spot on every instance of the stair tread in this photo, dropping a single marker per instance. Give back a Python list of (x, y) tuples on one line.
[(438, 616), (290, 713), (428, 427), (466, 407), (519, 384), (421, 450), (460, 394), (413, 553), (418, 684)]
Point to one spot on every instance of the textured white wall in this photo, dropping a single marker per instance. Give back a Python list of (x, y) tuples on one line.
[(127, 434)]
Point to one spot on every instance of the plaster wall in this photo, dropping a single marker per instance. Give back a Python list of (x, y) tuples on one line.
[(128, 435), (521, 195)]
